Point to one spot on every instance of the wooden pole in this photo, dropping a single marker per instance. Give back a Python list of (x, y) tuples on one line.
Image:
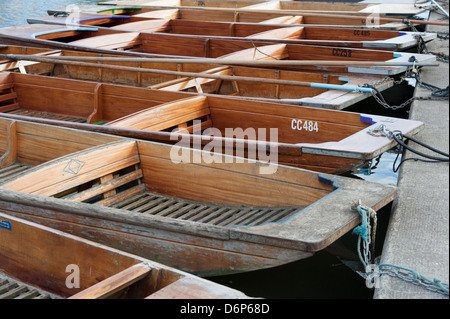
[(270, 63), (186, 140), (54, 60)]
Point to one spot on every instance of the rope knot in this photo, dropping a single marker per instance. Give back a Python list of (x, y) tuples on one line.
[(360, 231)]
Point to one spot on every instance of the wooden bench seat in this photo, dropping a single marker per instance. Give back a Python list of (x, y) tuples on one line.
[(84, 179), (178, 115), (8, 98)]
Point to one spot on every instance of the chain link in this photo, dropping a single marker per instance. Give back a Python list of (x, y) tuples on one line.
[(413, 277), (414, 74), (406, 274)]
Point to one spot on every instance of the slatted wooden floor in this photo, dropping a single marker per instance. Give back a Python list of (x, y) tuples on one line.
[(11, 171), (159, 205), (48, 115), (13, 289)]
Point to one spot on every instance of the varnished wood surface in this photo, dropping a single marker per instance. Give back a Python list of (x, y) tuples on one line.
[(313, 13), (170, 45), (307, 34), (217, 249), (337, 141), (38, 262)]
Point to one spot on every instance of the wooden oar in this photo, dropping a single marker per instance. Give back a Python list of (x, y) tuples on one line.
[(271, 63), (192, 74)]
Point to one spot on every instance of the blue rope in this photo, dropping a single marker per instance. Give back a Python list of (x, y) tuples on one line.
[(361, 230)]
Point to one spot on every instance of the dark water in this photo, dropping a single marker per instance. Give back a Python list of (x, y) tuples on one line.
[(324, 275)]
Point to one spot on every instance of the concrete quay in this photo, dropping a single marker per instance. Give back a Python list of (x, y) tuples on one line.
[(418, 231)]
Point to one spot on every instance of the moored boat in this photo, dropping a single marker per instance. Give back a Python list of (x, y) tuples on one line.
[(308, 12), (212, 215), (320, 139), (37, 262), (104, 40), (317, 89), (313, 35), (403, 9)]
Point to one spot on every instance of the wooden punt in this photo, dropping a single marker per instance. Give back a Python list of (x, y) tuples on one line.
[(37, 262), (205, 217), (403, 9), (311, 13), (108, 41), (351, 37), (320, 139), (346, 93)]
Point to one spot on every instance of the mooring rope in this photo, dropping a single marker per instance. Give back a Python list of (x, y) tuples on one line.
[(401, 140)]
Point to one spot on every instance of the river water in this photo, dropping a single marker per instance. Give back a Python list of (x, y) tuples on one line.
[(322, 276), (16, 12)]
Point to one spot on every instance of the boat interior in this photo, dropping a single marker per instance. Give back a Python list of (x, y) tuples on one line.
[(44, 264), (141, 177), (160, 110)]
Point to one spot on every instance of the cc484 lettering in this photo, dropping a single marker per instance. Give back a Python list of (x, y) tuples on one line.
[(304, 125)]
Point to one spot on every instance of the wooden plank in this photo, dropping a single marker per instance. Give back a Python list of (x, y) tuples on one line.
[(10, 155), (281, 33), (9, 107), (57, 141), (114, 156), (269, 52), (8, 96), (116, 41), (97, 114), (105, 186), (166, 115), (284, 20), (160, 14), (252, 195), (122, 195), (115, 283), (159, 25)]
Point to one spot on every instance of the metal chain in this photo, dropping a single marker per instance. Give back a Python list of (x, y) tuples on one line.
[(409, 275), (413, 277), (392, 107), (422, 48), (410, 73), (380, 130)]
